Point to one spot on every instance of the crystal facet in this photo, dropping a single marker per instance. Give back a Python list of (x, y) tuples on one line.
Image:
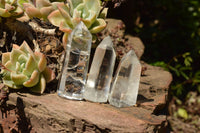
[(76, 62), (125, 86), (99, 79)]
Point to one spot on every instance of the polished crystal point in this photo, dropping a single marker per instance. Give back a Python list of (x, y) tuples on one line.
[(76, 62), (100, 75), (125, 86)]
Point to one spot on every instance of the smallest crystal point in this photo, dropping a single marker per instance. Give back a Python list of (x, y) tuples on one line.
[(125, 86)]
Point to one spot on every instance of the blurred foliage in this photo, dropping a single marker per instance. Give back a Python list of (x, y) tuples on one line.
[(186, 77), (167, 27), (170, 30), (172, 27)]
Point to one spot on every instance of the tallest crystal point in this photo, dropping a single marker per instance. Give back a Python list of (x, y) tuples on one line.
[(76, 62), (100, 75)]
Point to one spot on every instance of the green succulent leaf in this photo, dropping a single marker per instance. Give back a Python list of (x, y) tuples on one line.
[(33, 79), (41, 8), (56, 18), (18, 79), (5, 57), (74, 3), (15, 55), (41, 61), (48, 74), (25, 68), (42, 3), (31, 65), (10, 65), (4, 13), (31, 11), (40, 87), (45, 11), (93, 5), (11, 84), (98, 26), (69, 15), (66, 16), (21, 2), (88, 21)]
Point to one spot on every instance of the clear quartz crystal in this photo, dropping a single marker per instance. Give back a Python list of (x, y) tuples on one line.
[(76, 62), (100, 75), (125, 86)]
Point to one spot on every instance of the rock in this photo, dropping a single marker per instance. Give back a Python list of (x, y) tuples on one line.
[(136, 44), (54, 114), (115, 25), (154, 84)]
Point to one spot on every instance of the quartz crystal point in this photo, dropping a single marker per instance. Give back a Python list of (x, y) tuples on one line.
[(100, 75), (76, 62), (125, 86)]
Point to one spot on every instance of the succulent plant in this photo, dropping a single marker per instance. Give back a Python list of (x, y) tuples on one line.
[(9, 8), (39, 9), (25, 68), (68, 15)]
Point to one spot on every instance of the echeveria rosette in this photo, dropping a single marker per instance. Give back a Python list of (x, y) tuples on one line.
[(67, 16), (25, 68), (41, 8), (9, 8)]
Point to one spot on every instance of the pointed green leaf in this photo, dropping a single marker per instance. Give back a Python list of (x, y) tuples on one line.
[(98, 26), (40, 87), (65, 28), (17, 12), (31, 11), (22, 59), (103, 13), (93, 5), (74, 3), (20, 2), (34, 79), (4, 13), (45, 11), (42, 3), (10, 65), (66, 15), (5, 57), (18, 79), (25, 48), (88, 21), (31, 65), (41, 61), (48, 74), (11, 84), (15, 53), (56, 18)]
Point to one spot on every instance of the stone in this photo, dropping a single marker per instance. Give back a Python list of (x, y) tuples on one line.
[(51, 113), (125, 86), (76, 63), (136, 44), (99, 79)]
